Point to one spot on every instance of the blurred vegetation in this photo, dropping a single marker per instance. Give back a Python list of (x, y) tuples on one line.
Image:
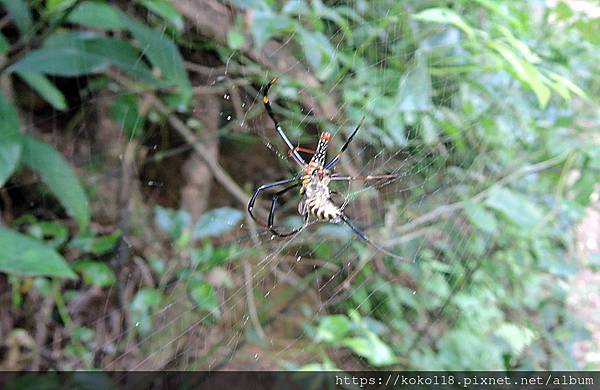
[(489, 109)]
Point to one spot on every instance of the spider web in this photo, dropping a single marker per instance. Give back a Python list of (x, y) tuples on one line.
[(294, 266), (324, 269)]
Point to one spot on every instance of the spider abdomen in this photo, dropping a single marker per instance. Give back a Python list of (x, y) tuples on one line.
[(322, 209)]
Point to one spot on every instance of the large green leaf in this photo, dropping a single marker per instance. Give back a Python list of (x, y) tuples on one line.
[(19, 11), (98, 15), (162, 53), (45, 88), (10, 139), (25, 256), (59, 176), (75, 54)]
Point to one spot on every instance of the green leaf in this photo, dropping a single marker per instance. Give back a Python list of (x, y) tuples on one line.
[(445, 16), (515, 207), (142, 306), (61, 61), (518, 337), (4, 44), (10, 139), (235, 39), (51, 233), (584, 187), (414, 90), (217, 222), (20, 13), (319, 53), (75, 54), (125, 111), (45, 89), (332, 328), (95, 273), (266, 24), (98, 15), (165, 10), (372, 348), (25, 256), (567, 84), (204, 296), (163, 54), (59, 176), (172, 221), (480, 217), (89, 243), (524, 71)]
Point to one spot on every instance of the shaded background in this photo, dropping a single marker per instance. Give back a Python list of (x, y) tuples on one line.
[(132, 135)]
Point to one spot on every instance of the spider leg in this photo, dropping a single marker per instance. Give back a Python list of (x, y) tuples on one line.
[(359, 232), (334, 160), (335, 177), (276, 197), (292, 152), (301, 149), (261, 189)]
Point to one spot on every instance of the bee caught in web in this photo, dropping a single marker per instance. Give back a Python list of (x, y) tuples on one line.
[(314, 180)]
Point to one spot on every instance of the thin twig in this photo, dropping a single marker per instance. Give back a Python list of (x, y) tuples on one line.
[(448, 209)]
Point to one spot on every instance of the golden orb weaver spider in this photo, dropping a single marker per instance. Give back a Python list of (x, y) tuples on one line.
[(313, 179)]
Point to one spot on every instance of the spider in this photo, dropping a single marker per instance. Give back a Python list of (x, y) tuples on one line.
[(313, 179)]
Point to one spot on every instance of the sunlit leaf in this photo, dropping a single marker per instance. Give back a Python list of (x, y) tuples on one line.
[(204, 296), (524, 71), (25, 256), (446, 16), (95, 273), (332, 328), (372, 348)]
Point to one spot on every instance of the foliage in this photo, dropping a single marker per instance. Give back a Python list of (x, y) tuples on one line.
[(488, 107)]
